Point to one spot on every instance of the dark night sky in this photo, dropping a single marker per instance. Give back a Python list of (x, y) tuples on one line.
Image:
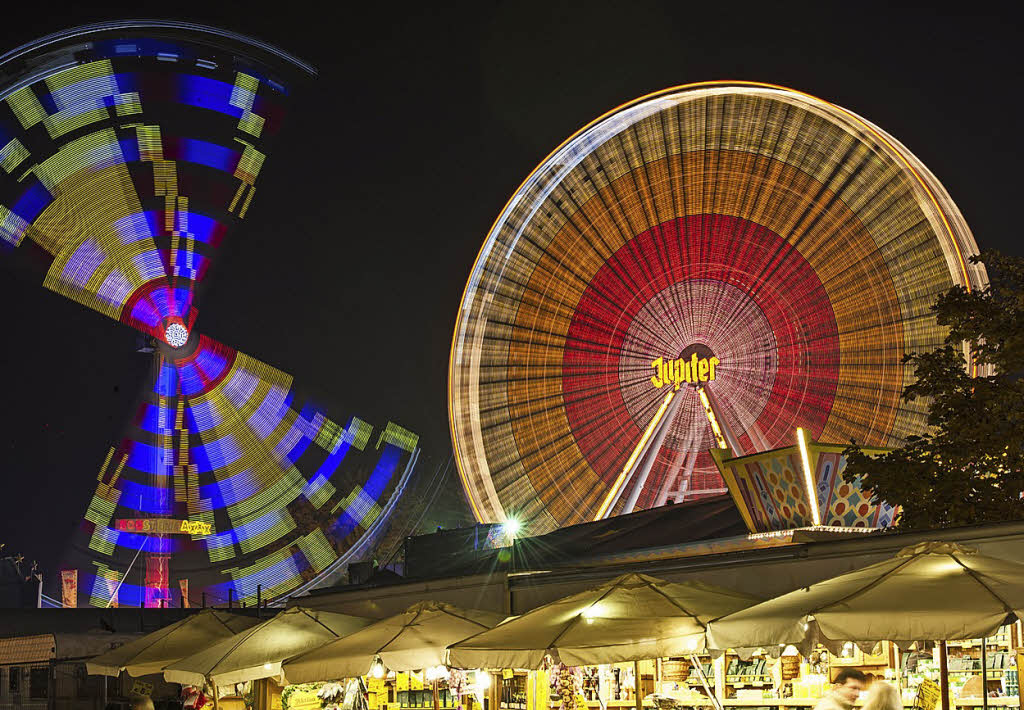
[(348, 269)]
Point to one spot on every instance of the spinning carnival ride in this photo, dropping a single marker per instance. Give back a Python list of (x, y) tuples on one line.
[(713, 265), (128, 152)]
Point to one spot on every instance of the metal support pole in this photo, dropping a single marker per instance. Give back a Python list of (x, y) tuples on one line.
[(943, 675), (984, 674), (231, 598), (646, 462), (204, 600), (259, 601), (897, 663), (636, 686), (712, 695)]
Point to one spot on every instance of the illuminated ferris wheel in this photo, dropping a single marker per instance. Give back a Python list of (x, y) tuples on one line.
[(129, 151), (713, 265)]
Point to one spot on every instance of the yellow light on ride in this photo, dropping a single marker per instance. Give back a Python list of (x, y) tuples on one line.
[(633, 456), (716, 429), (812, 495)]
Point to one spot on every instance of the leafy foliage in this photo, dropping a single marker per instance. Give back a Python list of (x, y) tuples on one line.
[(969, 467)]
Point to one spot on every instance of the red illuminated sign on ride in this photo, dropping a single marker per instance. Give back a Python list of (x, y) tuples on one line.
[(164, 526)]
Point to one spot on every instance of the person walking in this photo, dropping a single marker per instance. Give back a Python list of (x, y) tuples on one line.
[(883, 696), (847, 688)]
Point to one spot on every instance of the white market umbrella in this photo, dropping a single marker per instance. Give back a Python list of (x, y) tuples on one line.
[(414, 639), (258, 652), (929, 591), (155, 650), (631, 618)]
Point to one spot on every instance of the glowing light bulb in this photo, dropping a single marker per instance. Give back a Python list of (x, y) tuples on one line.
[(512, 527), (176, 335), (378, 670), (268, 666)]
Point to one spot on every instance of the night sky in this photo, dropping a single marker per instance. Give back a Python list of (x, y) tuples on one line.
[(348, 268)]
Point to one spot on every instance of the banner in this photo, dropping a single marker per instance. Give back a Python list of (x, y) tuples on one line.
[(164, 526), (112, 585), (183, 585), (69, 588), (158, 581)]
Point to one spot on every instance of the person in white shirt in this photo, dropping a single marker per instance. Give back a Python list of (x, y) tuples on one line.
[(848, 686)]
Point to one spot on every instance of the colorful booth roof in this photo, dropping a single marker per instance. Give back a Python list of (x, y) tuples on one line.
[(775, 490)]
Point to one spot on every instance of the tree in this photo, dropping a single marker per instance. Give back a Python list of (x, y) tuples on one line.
[(968, 467)]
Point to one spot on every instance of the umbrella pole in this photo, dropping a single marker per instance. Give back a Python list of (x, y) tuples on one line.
[(437, 704), (943, 676), (984, 673), (712, 695), (636, 686), (216, 700)]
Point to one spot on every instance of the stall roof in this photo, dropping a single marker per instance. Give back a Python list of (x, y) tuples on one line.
[(27, 649), (468, 551), (694, 521), (760, 565)]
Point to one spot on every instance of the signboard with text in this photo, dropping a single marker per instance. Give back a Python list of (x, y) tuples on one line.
[(164, 526)]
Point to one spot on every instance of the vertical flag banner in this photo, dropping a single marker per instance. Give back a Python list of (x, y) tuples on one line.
[(69, 588), (112, 584)]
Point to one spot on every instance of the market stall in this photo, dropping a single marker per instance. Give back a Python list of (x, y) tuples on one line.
[(154, 651), (782, 678), (927, 591), (231, 666), (600, 644), (398, 663)]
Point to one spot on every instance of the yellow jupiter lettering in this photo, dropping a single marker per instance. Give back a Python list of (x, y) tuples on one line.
[(658, 379), (692, 370)]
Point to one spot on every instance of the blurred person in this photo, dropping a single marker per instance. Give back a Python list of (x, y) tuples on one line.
[(847, 688), (883, 696)]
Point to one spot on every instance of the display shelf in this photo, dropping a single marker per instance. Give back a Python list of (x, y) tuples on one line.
[(1011, 702), (811, 702)]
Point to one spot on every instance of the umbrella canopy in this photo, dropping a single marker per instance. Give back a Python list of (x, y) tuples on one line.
[(152, 652), (930, 591), (257, 652), (633, 617), (414, 639)]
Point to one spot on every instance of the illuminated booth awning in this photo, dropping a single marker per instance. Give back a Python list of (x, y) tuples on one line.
[(800, 486)]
